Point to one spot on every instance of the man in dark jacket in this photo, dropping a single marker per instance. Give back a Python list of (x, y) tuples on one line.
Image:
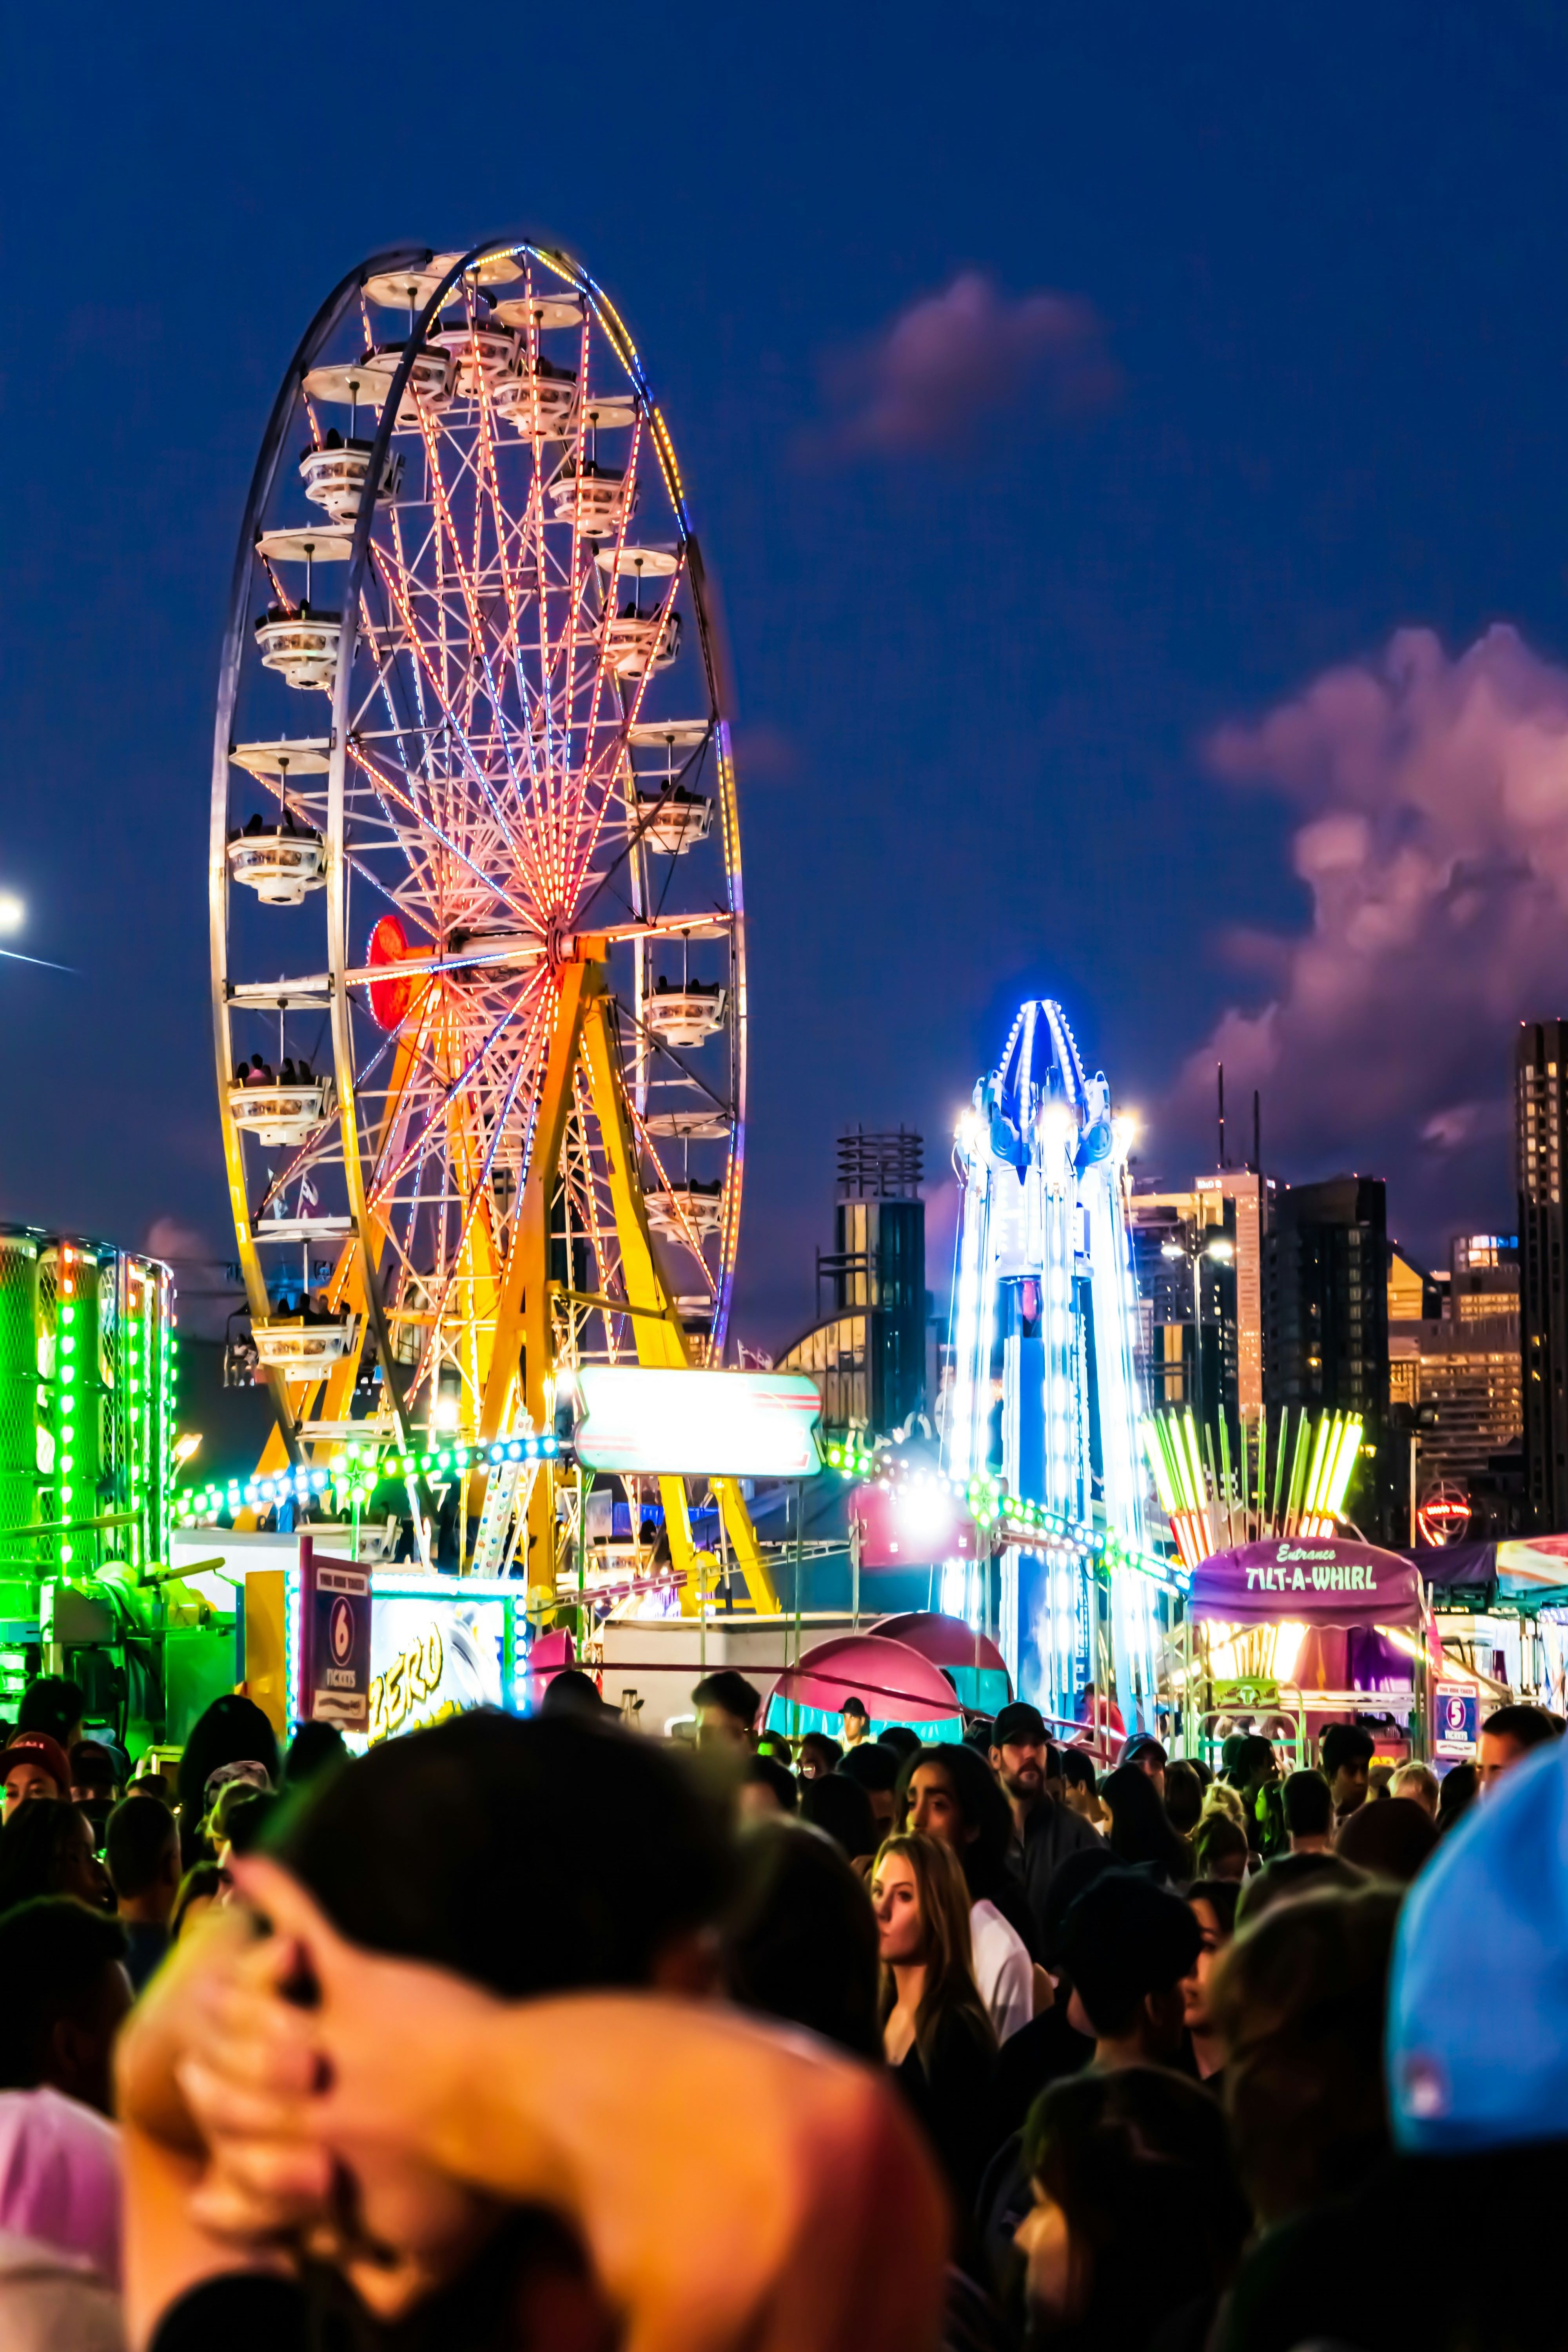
[(1047, 1832)]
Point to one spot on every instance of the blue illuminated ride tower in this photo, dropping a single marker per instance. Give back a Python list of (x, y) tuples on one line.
[(1044, 1386)]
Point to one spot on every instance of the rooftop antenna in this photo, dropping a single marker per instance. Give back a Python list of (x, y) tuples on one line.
[(1219, 1068), (1257, 1136)]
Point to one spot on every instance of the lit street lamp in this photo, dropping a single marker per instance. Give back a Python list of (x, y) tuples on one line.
[(1222, 1252)]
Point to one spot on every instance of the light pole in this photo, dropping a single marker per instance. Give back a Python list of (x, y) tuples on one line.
[(1222, 1252)]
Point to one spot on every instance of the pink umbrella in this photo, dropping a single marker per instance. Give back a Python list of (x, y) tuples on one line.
[(946, 1641), (897, 1684)]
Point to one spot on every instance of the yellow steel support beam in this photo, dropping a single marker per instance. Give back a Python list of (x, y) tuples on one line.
[(523, 1309), (660, 1338)]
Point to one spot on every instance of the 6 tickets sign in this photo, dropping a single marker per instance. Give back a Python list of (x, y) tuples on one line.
[(335, 1620)]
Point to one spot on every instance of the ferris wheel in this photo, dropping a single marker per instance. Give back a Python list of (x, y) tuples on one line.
[(476, 922)]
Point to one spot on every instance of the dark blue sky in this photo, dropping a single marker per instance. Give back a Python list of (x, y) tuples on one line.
[(1313, 393)]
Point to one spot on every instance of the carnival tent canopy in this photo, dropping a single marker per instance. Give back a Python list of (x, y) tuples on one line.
[(1299, 1578), (897, 1684), (946, 1641), (1520, 1571)]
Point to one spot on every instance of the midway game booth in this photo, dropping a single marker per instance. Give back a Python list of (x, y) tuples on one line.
[(1287, 1635), (1500, 1610), (379, 1651)]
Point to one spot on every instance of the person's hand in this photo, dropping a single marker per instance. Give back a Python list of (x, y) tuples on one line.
[(732, 2183), (314, 2071), (155, 2037), (320, 2042)]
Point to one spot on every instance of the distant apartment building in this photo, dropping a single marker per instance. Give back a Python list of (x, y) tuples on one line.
[(867, 1349), (1325, 1317), (1459, 1356), (1325, 1297), (1198, 1260), (1539, 1105)]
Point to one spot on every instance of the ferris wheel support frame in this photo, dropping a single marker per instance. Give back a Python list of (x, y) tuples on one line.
[(261, 485), (519, 1353)]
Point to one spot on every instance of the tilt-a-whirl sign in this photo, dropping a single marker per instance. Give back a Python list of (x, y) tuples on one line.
[(1324, 1582)]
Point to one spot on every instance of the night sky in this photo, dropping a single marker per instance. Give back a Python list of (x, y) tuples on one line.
[(1132, 443)]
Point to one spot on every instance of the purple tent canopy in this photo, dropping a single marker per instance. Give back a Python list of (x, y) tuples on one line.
[(1316, 1581)]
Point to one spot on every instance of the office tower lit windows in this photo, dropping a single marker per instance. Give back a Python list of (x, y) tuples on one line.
[(1540, 1079)]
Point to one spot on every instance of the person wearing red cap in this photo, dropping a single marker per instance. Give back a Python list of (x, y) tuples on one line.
[(34, 1765)]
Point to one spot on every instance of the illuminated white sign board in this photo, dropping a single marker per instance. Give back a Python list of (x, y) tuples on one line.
[(697, 1424)]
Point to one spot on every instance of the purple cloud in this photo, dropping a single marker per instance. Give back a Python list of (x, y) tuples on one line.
[(1432, 795), (950, 359)]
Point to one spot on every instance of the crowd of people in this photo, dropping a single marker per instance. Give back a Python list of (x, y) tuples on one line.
[(516, 2033), (255, 1071)]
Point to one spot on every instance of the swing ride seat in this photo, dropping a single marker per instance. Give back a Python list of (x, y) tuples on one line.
[(279, 1115), (289, 1343), (688, 1015), (674, 821), (681, 1211), (336, 475), (301, 646), (278, 865)]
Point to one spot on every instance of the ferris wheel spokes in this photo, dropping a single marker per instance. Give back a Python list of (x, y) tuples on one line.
[(513, 850)]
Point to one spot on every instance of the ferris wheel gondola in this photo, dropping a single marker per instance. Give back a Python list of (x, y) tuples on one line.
[(501, 885)]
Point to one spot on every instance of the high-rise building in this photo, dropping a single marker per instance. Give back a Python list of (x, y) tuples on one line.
[(1325, 1312), (1541, 1104), (868, 1349), (1483, 1282), (1175, 1234)]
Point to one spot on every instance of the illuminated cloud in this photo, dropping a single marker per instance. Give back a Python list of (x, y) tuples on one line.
[(1433, 798), (932, 375)]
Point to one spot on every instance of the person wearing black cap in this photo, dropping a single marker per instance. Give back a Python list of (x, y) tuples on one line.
[(1127, 1945), (855, 1722), (1148, 1753), (1046, 1830)]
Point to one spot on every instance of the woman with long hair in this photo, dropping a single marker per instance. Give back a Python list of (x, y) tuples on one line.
[(936, 2030), (1141, 1831), (952, 1794)]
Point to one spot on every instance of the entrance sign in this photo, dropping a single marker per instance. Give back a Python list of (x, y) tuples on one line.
[(692, 1424), (1336, 1582)]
